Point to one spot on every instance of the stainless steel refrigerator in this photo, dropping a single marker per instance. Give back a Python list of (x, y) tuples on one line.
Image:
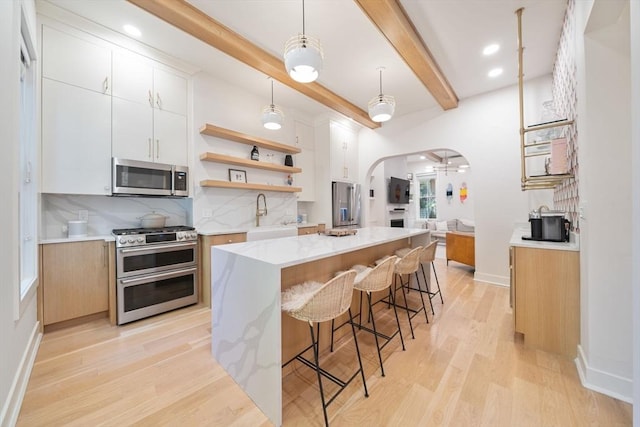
[(346, 204)]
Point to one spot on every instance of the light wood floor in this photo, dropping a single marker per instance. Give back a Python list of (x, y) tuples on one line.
[(463, 369)]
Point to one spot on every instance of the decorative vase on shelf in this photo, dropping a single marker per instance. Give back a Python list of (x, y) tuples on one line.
[(288, 160), (255, 155)]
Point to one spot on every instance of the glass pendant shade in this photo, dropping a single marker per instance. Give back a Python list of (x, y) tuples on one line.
[(303, 58), (272, 117), (381, 108)]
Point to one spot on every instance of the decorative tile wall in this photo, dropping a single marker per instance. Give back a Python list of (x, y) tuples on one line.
[(564, 87)]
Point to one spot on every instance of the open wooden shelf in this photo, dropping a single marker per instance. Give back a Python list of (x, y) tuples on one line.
[(237, 161), (232, 135), (249, 186)]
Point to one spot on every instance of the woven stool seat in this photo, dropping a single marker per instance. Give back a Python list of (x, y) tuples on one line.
[(428, 257), (371, 280), (407, 265), (315, 302)]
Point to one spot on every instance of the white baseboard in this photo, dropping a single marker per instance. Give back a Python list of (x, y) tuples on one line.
[(603, 382), (11, 409), (492, 278)]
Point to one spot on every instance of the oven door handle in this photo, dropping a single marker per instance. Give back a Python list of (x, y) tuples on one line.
[(151, 277), (163, 247)]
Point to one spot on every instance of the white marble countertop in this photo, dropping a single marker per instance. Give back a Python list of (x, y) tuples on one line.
[(288, 251), (217, 231), (516, 240), (106, 238)]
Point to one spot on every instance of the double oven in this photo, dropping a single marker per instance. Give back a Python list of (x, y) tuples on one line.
[(156, 270)]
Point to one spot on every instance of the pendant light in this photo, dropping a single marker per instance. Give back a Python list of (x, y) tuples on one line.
[(303, 56), (381, 107), (272, 116)]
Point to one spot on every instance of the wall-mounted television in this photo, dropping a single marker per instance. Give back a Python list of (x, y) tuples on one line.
[(398, 190)]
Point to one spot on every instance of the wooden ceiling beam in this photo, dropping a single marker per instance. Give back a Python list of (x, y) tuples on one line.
[(193, 21), (392, 20)]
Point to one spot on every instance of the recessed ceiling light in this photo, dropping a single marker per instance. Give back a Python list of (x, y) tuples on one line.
[(422, 157), (464, 166), (495, 72), (131, 30), (491, 49)]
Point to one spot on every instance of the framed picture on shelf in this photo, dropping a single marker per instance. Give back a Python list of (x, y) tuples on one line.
[(236, 175)]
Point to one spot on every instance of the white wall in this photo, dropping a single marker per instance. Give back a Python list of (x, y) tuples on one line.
[(605, 353), (484, 129), (635, 212), (219, 103), (16, 336)]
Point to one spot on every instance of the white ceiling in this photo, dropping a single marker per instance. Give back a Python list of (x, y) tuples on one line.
[(455, 31)]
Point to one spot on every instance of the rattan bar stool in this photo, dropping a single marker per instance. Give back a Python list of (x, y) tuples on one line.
[(371, 280), (428, 257), (315, 302), (407, 265)]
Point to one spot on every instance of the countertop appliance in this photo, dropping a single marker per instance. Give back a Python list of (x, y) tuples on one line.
[(156, 270), (548, 226), (137, 178), (346, 204)]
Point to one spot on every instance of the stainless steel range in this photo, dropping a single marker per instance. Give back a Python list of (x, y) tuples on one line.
[(156, 270)]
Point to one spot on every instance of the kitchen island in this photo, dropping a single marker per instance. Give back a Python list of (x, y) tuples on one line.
[(247, 278)]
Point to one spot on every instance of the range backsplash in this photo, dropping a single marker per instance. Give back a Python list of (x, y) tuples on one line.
[(107, 213)]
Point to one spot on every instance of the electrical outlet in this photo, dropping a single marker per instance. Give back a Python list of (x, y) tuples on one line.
[(83, 215), (207, 213)]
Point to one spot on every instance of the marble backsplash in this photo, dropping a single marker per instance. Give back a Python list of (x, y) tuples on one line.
[(107, 213), (236, 209)]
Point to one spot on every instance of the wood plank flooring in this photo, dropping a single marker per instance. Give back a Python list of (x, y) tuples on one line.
[(465, 368)]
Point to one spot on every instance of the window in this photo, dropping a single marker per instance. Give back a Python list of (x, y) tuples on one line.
[(27, 191), (427, 196)]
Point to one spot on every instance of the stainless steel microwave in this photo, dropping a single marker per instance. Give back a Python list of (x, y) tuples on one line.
[(138, 178)]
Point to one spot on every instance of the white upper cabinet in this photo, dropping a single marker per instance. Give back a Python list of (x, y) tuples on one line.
[(149, 111), (170, 92), (132, 78), (344, 153), (75, 61), (76, 140), (170, 137)]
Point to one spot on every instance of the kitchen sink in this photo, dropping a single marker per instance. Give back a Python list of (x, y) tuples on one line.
[(271, 232)]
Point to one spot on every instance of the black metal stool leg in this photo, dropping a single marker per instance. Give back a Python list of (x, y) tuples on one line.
[(375, 332), (437, 282), (317, 362), (406, 307), (424, 308), (395, 311), (332, 331), (426, 285), (355, 340)]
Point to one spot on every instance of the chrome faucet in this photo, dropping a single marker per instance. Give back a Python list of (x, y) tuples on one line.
[(260, 212)]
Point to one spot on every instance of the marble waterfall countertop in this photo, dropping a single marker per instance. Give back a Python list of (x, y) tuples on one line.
[(246, 281), (516, 240), (208, 231), (288, 251)]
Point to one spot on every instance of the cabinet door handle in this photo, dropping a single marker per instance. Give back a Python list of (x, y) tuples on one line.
[(158, 101), (105, 258), (105, 85), (157, 148), (150, 146), (150, 99)]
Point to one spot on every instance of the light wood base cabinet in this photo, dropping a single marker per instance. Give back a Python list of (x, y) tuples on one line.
[(205, 260), (546, 298), (75, 279)]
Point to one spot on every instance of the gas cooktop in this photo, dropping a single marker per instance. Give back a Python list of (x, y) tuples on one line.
[(135, 231)]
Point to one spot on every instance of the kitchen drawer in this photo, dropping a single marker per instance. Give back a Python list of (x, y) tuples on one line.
[(224, 239), (307, 230)]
